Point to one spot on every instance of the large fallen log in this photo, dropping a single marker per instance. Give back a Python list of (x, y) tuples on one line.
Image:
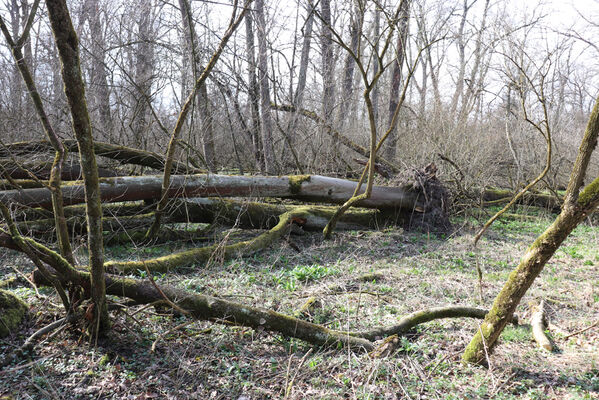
[(312, 188), (125, 155), (241, 214)]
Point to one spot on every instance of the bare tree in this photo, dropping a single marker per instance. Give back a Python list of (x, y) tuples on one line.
[(68, 49), (253, 93), (99, 78), (203, 102), (266, 118), (402, 37)]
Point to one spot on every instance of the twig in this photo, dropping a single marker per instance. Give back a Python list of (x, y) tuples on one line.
[(184, 324), (301, 363), (173, 305), (582, 330), (22, 275)]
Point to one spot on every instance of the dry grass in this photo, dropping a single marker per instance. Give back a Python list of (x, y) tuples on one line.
[(361, 279)]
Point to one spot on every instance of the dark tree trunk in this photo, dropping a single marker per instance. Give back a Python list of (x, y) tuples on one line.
[(402, 37), (253, 92), (266, 117), (68, 49)]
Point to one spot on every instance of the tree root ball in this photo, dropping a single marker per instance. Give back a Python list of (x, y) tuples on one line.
[(12, 311)]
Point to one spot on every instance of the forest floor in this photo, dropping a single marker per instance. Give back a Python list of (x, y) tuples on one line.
[(361, 279)]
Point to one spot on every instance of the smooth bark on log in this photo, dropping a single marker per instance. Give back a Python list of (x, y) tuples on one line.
[(538, 322), (126, 155), (313, 188)]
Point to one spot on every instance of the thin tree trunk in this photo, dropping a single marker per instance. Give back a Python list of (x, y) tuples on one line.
[(144, 70), (99, 78), (298, 98), (402, 36), (266, 117), (577, 206), (461, 43), (203, 102), (349, 67), (60, 152), (328, 67), (253, 93), (376, 66), (68, 49)]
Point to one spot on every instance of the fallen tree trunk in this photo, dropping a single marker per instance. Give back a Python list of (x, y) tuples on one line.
[(301, 216), (125, 155), (492, 196), (227, 312), (223, 311), (9, 184), (131, 228), (313, 188), (243, 214)]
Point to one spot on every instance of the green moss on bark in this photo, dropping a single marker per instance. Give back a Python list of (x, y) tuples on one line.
[(12, 311), (295, 182)]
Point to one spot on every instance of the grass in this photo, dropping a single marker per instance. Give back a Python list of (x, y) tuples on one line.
[(361, 280)]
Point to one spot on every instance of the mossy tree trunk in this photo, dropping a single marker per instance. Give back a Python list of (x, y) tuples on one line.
[(68, 49), (577, 206)]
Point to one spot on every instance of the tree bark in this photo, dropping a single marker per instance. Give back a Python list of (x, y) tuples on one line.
[(357, 20), (266, 118), (253, 93), (298, 98), (313, 188), (328, 67), (68, 49), (402, 37), (577, 206), (144, 72), (99, 77), (203, 102)]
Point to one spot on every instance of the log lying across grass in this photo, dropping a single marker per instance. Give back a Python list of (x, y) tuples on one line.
[(223, 311), (312, 188), (492, 196)]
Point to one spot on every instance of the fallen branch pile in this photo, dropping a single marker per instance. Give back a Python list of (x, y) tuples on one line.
[(129, 208)]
